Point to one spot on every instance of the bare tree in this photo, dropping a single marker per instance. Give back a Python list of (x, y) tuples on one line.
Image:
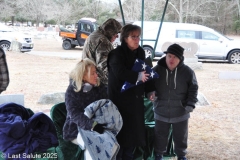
[(8, 10), (92, 8), (132, 9), (34, 9), (218, 14), (238, 4), (61, 12)]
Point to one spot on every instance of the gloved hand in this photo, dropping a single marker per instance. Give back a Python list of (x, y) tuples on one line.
[(99, 128), (189, 108)]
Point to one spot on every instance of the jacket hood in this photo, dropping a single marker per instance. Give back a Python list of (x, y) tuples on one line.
[(110, 28), (162, 62)]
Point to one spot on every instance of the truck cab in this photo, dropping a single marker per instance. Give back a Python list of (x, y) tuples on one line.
[(71, 39)]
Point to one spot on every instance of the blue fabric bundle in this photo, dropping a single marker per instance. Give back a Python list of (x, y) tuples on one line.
[(21, 134), (140, 66)]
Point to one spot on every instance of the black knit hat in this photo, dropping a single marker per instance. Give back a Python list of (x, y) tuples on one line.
[(175, 49)]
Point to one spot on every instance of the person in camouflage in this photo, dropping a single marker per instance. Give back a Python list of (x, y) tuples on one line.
[(4, 74), (98, 45)]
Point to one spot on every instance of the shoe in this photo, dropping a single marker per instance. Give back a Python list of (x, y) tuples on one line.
[(182, 158), (158, 157)]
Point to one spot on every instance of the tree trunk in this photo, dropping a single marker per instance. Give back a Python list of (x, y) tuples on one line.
[(238, 8), (181, 12)]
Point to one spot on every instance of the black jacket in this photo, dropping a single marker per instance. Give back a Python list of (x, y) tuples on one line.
[(175, 90), (130, 102)]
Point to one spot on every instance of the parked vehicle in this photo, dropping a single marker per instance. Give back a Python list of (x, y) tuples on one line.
[(71, 39), (7, 35), (117, 40), (210, 44)]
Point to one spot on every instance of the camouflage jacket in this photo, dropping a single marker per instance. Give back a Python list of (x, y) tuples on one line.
[(4, 74), (97, 47)]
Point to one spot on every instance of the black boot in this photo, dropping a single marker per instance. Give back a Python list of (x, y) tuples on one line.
[(182, 158), (158, 157)]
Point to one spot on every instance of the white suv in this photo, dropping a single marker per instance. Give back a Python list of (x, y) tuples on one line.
[(205, 42), (7, 35)]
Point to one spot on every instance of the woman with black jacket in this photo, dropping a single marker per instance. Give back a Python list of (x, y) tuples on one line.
[(130, 102)]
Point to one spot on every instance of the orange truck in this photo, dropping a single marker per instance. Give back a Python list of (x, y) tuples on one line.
[(71, 39)]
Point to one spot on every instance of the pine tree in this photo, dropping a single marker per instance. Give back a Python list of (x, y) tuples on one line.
[(101, 140), (113, 139), (100, 112), (92, 111), (113, 121), (107, 154), (111, 145), (89, 141), (98, 149)]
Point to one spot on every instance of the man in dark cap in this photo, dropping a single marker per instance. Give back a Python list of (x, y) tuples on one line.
[(176, 95), (4, 75), (98, 45)]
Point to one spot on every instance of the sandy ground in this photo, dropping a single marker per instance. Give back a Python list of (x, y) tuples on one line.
[(213, 130)]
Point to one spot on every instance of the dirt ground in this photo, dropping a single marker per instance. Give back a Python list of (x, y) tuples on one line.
[(213, 130)]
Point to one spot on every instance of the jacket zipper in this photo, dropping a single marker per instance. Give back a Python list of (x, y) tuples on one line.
[(169, 92)]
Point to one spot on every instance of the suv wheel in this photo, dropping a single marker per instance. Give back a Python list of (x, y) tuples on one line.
[(148, 52), (234, 57), (5, 45), (66, 45)]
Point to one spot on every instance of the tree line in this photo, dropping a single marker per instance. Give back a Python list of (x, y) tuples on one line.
[(222, 15)]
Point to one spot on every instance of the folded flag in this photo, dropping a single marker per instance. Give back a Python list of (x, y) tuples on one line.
[(140, 66)]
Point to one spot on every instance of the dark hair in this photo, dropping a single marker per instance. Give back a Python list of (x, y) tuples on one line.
[(127, 29)]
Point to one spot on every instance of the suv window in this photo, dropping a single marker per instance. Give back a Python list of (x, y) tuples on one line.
[(209, 36), (187, 34)]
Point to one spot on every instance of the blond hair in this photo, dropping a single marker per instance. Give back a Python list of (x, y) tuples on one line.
[(82, 67)]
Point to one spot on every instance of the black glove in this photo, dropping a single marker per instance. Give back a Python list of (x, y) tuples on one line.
[(99, 128), (189, 108)]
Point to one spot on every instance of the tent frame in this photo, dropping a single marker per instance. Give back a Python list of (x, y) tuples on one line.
[(142, 20)]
